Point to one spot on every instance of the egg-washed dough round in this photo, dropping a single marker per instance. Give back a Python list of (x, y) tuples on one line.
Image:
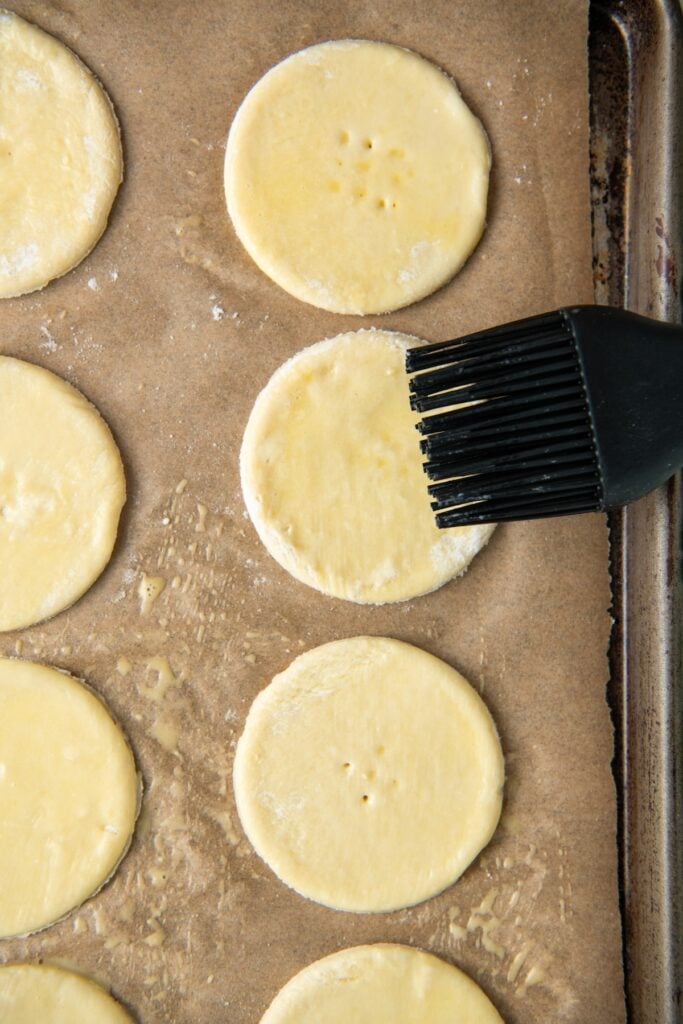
[(43, 994), (356, 177), (62, 489), (69, 794), (379, 984), (332, 475), (369, 775), (60, 157)]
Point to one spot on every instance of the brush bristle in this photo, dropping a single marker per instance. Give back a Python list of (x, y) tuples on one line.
[(513, 439)]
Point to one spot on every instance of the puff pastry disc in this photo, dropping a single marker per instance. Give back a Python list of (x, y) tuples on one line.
[(68, 795), (369, 774), (332, 475), (62, 489), (60, 157), (42, 994), (356, 177), (381, 983)]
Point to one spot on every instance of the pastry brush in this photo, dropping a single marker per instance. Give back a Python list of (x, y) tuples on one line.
[(578, 410)]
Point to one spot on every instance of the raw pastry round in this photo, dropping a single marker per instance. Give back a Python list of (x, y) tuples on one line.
[(356, 176), (381, 983), (60, 157), (369, 775), (62, 489), (68, 795), (332, 475), (43, 994)]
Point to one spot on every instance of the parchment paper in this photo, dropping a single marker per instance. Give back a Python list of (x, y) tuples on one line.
[(171, 330)]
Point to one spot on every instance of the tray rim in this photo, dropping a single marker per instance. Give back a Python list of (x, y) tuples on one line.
[(637, 229)]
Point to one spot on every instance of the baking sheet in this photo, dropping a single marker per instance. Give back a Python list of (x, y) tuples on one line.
[(171, 330), (636, 173)]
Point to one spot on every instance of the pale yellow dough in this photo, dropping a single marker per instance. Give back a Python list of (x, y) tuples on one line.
[(381, 984), (69, 795), (61, 492), (369, 775), (60, 157), (356, 177), (332, 475), (43, 994)]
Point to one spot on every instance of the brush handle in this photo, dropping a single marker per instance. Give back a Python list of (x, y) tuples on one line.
[(633, 374)]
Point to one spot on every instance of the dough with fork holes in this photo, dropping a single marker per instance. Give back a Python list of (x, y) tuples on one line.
[(356, 176), (369, 775)]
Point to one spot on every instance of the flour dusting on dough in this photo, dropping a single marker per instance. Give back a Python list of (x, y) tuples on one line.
[(22, 259)]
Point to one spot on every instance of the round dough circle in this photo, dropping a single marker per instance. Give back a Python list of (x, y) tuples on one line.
[(356, 177), (43, 994), (69, 795), (60, 157), (62, 489), (369, 775), (383, 982), (332, 475)]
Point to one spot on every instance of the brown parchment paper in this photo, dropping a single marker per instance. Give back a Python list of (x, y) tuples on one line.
[(171, 330)]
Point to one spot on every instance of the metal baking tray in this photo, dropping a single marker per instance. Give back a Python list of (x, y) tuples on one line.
[(636, 85)]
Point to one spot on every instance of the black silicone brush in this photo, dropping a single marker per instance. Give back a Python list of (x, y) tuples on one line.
[(578, 410)]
